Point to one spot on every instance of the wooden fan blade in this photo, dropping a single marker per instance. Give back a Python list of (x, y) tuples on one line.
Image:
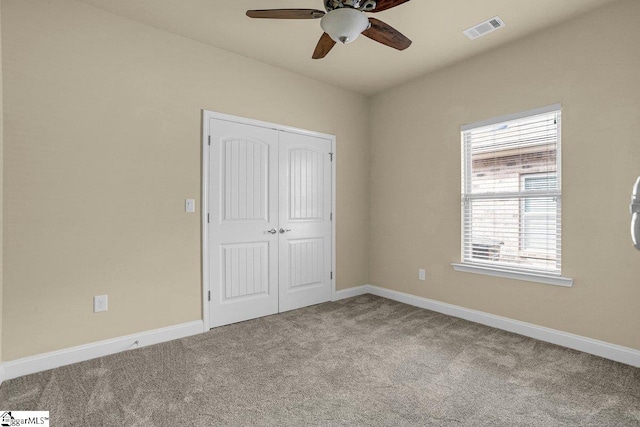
[(325, 44), (286, 13), (386, 34), (387, 4)]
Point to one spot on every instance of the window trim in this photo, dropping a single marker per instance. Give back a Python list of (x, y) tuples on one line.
[(550, 278), (508, 117), (547, 279)]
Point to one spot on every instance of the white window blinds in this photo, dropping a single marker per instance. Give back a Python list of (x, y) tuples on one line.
[(511, 193)]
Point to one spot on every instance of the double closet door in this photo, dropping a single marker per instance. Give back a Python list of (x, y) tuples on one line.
[(269, 221)]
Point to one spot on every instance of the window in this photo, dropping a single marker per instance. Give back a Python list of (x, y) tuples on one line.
[(511, 195)]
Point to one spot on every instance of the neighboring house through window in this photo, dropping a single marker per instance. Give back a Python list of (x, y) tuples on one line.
[(539, 232), (511, 193)]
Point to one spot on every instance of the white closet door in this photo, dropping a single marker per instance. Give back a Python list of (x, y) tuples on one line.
[(305, 224), (243, 242)]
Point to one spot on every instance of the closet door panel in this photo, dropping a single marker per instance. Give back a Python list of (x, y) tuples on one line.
[(305, 221), (243, 238)]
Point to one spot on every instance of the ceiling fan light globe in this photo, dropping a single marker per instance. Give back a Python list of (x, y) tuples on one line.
[(344, 25)]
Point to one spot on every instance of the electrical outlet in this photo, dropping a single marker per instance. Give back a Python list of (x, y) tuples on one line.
[(100, 303), (422, 275)]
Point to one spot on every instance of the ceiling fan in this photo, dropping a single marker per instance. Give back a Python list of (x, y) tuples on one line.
[(344, 21)]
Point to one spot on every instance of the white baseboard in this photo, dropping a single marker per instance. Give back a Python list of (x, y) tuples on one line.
[(42, 362), (604, 349), (46, 361), (350, 292)]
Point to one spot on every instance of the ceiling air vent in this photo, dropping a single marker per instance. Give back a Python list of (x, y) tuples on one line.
[(484, 28)]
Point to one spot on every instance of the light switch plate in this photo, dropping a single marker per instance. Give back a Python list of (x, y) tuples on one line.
[(190, 205), (422, 275)]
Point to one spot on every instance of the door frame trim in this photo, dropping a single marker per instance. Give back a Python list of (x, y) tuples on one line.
[(204, 208)]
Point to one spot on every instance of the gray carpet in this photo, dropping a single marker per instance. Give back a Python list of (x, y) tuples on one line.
[(365, 361)]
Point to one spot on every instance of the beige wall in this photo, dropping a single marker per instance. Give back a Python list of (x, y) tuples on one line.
[(592, 66), (103, 119), (103, 145), (1, 185)]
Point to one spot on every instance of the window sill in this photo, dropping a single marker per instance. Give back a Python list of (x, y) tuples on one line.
[(510, 274)]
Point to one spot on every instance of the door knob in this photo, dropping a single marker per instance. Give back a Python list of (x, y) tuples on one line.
[(272, 231), (282, 230)]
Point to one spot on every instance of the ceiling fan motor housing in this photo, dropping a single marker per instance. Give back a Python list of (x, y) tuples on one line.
[(364, 5)]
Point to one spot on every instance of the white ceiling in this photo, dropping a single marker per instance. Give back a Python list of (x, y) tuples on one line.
[(364, 66)]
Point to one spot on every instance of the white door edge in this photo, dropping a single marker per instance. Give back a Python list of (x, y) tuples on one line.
[(204, 205)]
